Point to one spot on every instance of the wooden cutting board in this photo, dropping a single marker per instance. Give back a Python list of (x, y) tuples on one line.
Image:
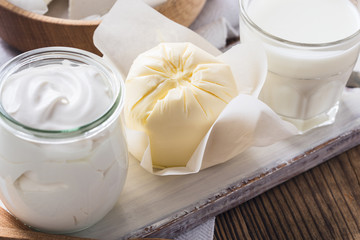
[(26, 30)]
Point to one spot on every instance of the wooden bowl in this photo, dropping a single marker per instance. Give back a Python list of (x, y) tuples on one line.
[(25, 30)]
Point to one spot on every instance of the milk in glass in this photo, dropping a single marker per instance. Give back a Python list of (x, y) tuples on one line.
[(312, 47)]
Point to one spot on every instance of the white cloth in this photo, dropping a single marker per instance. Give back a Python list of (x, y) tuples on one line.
[(218, 21), (203, 232), (6, 52)]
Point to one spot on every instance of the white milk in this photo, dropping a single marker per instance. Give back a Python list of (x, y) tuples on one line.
[(311, 57), (306, 21)]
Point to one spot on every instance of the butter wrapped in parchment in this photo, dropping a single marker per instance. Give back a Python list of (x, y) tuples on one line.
[(177, 127), (175, 92)]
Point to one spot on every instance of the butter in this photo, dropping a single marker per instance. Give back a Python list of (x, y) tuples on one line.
[(175, 92)]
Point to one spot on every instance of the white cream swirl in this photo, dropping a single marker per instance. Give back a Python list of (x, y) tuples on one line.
[(56, 96)]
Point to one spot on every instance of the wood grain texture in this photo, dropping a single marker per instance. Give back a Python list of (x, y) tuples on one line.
[(323, 203), (25, 30)]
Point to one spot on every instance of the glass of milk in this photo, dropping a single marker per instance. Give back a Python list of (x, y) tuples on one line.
[(312, 47), (63, 154)]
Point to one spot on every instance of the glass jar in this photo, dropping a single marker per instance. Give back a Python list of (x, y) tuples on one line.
[(305, 79), (62, 181)]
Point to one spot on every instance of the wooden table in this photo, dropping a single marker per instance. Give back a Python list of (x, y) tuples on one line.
[(322, 203)]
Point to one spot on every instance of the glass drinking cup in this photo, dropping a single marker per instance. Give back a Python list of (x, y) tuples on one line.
[(305, 81)]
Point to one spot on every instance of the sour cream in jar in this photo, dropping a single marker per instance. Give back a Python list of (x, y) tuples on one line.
[(63, 154)]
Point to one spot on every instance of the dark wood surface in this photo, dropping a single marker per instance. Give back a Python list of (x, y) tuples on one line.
[(322, 203)]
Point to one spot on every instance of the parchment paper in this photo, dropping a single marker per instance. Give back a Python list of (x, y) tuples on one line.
[(131, 28)]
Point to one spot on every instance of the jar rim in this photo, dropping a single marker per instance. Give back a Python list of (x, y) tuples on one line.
[(70, 54), (243, 12)]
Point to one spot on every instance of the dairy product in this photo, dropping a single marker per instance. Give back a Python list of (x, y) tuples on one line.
[(62, 186), (44, 97), (175, 92), (68, 172), (75, 9), (85, 9), (306, 21), (311, 46), (36, 6), (79, 9)]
